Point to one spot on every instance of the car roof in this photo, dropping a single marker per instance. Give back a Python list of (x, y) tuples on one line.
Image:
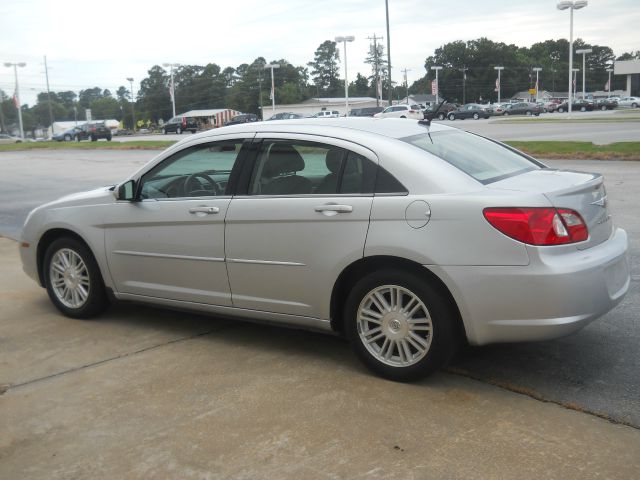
[(338, 127)]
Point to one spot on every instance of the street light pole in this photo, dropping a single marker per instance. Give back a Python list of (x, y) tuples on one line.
[(584, 52), (537, 70), (386, 5), (571, 5), (499, 69), (437, 68), (17, 93), (464, 82), (133, 115), (46, 73), (172, 86), (609, 84), (575, 86), (344, 40), (273, 87)]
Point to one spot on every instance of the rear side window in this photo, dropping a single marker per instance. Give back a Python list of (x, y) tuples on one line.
[(483, 159)]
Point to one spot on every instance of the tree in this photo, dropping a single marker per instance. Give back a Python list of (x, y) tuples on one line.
[(106, 108), (379, 68), (359, 87), (154, 102), (87, 96), (325, 68)]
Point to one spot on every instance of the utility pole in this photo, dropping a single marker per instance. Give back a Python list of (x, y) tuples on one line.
[(499, 69), (271, 66), (17, 93), (386, 4), (46, 73), (172, 87), (406, 83), (133, 115), (464, 81), (537, 70), (376, 66)]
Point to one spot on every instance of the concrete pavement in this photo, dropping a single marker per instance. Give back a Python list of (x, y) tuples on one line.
[(145, 393)]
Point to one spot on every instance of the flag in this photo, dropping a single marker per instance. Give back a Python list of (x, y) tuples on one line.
[(536, 85), (16, 103), (379, 87), (497, 89), (434, 87), (607, 86)]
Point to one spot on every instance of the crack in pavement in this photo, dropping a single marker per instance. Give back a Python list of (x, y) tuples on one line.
[(505, 385), (7, 387)]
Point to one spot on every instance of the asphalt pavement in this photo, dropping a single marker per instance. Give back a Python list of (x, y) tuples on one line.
[(597, 369)]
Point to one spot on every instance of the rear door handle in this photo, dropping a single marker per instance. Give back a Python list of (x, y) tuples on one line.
[(332, 207), (205, 210)]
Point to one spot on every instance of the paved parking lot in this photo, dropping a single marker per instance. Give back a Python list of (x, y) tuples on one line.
[(148, 393)]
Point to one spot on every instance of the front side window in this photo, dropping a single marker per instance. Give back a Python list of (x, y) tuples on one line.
[(199, 171), (483, 159), (304, 168)]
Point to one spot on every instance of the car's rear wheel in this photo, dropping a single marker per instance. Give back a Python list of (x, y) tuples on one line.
[(634, 105), (476, 116), (67, 138), (93, 139), (164, 131), (402, 116), (179, 131), (506, 114), (399, 325), (109, 138), (583, 109), (603, 107), (441, 116), (560, 110), (73, 279), (528, 113), (451, 117)]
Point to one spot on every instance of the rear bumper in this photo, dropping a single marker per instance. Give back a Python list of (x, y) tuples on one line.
[(558, 293)]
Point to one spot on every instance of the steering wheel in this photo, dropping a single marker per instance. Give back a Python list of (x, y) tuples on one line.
[(192, 184)]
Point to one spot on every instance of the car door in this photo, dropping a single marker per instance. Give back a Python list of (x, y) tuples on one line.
[(170, 242), (302, 218)]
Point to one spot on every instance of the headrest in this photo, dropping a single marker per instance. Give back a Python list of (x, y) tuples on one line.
[(334, 159), (282, 159)]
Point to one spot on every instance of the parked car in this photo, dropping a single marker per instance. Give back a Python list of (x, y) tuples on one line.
[(285, 116), (606, 104), (243, 118), (7, 139), (497, 109), (522, 108), (180, 125), (576, 106), (327, 114), (68, 135), (365, 112), (470, 110), (93, 131), (550, 107), (401, 111), (416, 238), (443, 110), (633, 102)]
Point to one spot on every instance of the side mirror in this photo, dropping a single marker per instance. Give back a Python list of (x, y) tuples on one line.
[(127, 191)]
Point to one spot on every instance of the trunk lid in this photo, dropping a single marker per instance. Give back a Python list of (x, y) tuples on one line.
[(583, 192)]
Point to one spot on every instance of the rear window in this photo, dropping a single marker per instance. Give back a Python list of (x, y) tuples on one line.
[(483, 159)]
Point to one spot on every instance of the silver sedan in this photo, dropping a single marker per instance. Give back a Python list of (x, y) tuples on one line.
[(408, 238)]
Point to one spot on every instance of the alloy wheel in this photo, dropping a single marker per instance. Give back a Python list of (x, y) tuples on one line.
[(69, 278)]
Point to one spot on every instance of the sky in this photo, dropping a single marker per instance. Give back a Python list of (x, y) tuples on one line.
[(90, 44)]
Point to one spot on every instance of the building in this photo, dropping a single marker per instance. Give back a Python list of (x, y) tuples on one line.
[(315, 105), (630, 68), (212, 118), (416, 99), (543, 96)]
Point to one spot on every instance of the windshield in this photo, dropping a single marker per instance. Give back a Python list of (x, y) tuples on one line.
[(481, 158)]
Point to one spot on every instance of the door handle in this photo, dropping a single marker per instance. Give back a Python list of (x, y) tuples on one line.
[(205, 210), (332, 207)]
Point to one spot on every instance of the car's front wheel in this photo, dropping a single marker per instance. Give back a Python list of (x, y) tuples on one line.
[(441, 116), (451, 117), (399, 325), (634, 105), (528, 113), (560, 110), (73, 279), (179, 131), (583, 109), (164, 131), (476, 116), (603, 107), (67, 138)]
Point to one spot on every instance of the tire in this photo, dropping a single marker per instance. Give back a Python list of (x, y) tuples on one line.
[(164, 131), (476, 116), (583, 109), (67, 138), (537, 114), (506, 114), (603, 108), (441, 116), (402, 116), (634, 105), (179, 131), (426, 345), (560, 110), (84, 274), (451, 117), (193, 131), (528, 113), (93, 139)]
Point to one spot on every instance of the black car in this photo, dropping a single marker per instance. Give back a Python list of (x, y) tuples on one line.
[(576, 106), (606, 104), (365, 112), (470, 110), (443, 111), (242, 118), (93, 131), (285, 116), (179, 125), (522, 108)]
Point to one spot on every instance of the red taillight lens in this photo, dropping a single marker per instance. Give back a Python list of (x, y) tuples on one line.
[(539, 226)]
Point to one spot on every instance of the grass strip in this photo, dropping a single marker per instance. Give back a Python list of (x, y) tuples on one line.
[(579, 150), (104, 145)]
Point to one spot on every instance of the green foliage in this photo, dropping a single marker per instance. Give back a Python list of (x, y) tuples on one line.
[(325, 68)]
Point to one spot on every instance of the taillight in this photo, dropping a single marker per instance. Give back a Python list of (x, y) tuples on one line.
[(539, 226), (184, 121)]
